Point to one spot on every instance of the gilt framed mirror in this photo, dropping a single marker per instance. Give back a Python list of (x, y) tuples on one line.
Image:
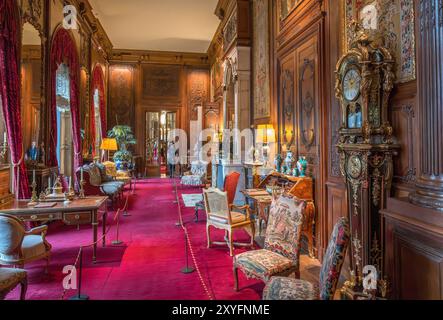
[(32, 94)]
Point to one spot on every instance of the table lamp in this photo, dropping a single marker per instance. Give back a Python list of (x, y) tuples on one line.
[(266, 135), (109, 144)]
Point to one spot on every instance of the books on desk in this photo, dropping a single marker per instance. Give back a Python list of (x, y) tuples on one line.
[(45, 205)]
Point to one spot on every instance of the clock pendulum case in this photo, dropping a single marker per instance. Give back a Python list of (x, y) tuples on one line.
[(364, 81)]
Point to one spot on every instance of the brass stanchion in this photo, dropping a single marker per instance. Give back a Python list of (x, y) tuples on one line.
[(187, 269), (117, 242), (80, 296)]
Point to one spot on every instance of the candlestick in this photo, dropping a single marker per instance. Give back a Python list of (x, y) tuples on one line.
[(48, 189), (81, 174), (4, 138), (33, 176)]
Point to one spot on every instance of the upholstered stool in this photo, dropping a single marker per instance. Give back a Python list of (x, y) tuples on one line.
[(10, 278)]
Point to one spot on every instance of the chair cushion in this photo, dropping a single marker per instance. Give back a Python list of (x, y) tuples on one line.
[(33, 246), (236, 217), (283, 288), (262, 264), (9, 278), (112, 188), (192, 180)]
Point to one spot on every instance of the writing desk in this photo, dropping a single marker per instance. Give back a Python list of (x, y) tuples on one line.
[(79, 211)]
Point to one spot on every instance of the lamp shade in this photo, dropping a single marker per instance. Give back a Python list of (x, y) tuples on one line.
[(109, 144), (265, 133)]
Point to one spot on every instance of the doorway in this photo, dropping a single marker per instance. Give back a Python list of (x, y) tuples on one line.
[(159, 124)]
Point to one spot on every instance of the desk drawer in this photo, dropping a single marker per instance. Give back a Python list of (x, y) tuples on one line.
[(77, 218), (41, 217)]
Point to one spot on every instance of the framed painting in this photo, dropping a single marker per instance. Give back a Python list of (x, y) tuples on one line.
[(395, 19)]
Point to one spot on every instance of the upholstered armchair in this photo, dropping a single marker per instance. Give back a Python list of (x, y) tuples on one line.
[(118, 175), (221, 215), (11, 278), (281, 252), (279, 288), (197, 175), (18, 246), (98, 183), (230, 185)]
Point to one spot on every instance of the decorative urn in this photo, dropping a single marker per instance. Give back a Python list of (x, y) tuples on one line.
[(278, 162), (302, 165), (289, 162)]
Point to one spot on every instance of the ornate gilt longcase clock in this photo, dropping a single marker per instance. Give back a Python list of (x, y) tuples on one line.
[(364, 81)]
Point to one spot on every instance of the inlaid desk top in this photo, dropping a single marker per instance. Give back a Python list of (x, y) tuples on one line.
[(21, 206)]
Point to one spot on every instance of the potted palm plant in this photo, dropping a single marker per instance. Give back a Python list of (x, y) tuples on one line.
[(124, 136)]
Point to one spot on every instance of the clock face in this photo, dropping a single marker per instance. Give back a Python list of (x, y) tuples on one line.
[(351, 85), (354, 167)]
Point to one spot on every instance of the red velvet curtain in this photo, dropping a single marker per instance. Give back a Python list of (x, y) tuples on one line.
[(99, 84), (10, 92), (63, 50)]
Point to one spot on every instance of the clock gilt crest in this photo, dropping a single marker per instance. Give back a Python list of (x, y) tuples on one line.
[(364, 81)]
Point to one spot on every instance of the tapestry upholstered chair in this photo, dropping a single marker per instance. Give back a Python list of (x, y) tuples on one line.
[(18, 246), (281, 252), (197, 176), (11, 278), (221, 215), (279, 288)]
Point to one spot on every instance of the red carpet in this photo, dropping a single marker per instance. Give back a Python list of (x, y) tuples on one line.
[(147, 265)]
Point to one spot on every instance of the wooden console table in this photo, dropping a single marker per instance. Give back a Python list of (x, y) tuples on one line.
[(79, 211)]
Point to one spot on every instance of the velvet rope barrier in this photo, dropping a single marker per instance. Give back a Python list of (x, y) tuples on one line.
[(80, 251), (191, 249)]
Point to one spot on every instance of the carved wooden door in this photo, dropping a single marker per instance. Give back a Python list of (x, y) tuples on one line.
[(299, 106)]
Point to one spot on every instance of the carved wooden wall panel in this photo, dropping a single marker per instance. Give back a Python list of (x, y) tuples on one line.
[(198, 90), (121, 96), (414, 254), (161, 82), (308, 96), (287, 101), (404, 123)]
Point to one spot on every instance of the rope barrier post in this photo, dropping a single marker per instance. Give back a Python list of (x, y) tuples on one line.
[(179, 223), (80, 296), (187, 269), (117, 242)]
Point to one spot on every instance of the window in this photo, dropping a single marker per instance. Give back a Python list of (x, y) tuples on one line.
[(64, 121), (98, 127)]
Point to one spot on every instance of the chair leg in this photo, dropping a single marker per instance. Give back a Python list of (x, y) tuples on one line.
[(252, 235), (231, 244), (235, 277), (23, 289), (208, 235)]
